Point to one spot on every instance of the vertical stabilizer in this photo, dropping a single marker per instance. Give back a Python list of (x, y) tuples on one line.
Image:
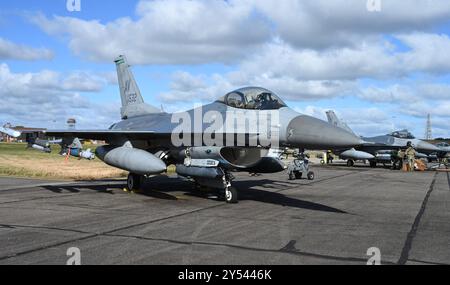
[(333, 119), (132, 102)]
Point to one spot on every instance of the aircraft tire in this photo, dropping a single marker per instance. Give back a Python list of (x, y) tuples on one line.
[(231, 195), (311, 175), (373, 164), (134, 181), (350, 163)]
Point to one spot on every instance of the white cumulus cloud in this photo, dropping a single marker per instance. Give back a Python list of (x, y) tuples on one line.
[(10, 50)]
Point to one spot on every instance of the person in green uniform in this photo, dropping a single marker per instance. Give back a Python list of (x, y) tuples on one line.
[(397, 159), (411, 156)]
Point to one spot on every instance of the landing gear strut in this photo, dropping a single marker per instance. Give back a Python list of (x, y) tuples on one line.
[(231, 195), (134, 181)]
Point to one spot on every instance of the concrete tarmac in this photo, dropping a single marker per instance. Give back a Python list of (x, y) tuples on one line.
[(334, 219)]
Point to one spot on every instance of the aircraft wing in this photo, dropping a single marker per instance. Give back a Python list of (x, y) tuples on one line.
[(104, 134), (10, 132), (132, 135)]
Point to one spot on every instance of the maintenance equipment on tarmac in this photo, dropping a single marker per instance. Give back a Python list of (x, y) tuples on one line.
[(299, 168)]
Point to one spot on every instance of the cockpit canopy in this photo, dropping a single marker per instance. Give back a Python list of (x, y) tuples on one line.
[(443, 144), (403, 134), (253, 98)]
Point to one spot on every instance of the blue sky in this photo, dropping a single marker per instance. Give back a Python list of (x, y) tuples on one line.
[(378, 70)]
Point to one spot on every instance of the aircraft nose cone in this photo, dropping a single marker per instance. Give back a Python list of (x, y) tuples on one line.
[(424, 146), (309, 132)]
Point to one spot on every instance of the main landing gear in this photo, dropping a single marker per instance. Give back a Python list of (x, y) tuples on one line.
[(134, 182), (221, 185)]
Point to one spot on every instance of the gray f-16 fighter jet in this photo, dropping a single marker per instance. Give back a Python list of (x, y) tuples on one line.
[(208, 142), (379, 149), (443, 146), (444, 150)]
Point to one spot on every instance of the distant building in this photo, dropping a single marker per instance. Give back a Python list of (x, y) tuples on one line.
[(26, 134)]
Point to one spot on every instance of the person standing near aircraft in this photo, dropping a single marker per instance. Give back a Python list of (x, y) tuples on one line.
[(397, 159), (411, 155)]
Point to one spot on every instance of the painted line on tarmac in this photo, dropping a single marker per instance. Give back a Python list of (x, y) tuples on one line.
[(412, 233), (284, 250)]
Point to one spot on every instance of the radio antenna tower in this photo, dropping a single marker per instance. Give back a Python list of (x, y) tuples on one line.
[(428, 135)]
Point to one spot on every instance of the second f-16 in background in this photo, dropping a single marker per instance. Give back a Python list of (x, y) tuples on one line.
[(380, 149)]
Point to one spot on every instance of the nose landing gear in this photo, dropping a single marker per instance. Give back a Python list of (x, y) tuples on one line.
[(231, 195)]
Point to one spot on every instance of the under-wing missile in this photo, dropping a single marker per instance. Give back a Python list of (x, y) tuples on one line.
[(356, 155), (43, 143), (228, 157), (205, 172), (41, 148), (131, 159), (383, 157), (421, 155), (10, 132)]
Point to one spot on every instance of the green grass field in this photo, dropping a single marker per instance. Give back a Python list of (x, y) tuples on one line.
[(17, 160), (20, 149)]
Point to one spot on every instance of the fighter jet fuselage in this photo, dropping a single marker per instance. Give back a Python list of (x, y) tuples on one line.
[(208, 142), (395, 142), (381, 148)]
